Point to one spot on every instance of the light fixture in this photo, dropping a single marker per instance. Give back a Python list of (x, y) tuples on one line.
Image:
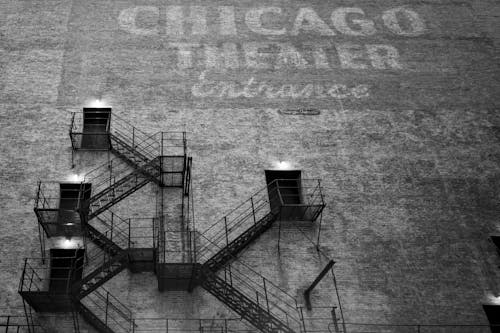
[(283, 165), (97, 103), (76, 178), (67, 243), (493, 299)]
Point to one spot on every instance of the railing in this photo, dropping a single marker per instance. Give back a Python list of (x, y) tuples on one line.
[(56, 221), (233, 224), (150, 146), (173, 325), (78, 136), (301, 199), (109, 310), (37, 276), (94, 259), (416, 328), (319, 319), (141, 232), (17, 324), (105, 176), (265, 293), (174, 244), (114, 227)]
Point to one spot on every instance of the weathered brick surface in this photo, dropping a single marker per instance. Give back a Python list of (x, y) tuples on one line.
[(411, 172)]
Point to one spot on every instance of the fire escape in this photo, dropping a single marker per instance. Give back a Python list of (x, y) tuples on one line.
[(84, 244)]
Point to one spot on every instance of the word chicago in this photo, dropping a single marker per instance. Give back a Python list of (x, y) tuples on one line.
[(228, 37)]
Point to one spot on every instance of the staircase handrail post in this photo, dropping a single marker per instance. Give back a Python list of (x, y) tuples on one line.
[(184, 142), (265, 293), (129, 232), (279, 192), (111, 174), (161, 144), (72, 268), (8, 323), (112, 222), (253, 211), (194, 246), (302, 320), (335, 323), (106, 313), (133, 137), (225, 227), (321, 192), (21, 283), (38, 193)]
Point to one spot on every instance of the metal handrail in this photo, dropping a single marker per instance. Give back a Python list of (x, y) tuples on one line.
[(260, 291)]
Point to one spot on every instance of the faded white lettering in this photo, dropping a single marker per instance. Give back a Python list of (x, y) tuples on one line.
[(415, 27), (383, 56), (307, 20), (253, 19), (364, 27), (351, 56), (253, 89)]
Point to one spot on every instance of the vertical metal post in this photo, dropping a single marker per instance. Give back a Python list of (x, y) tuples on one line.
[(106, 314), (8, 322), (42, 242), (418, 328), (302, 319), (184, 142), (319, 230), (133, 138), (167, 326), (161, 144), (253, 211), (225, 227), (27, 317), (225, 325), (265, 293), (279, 233), (129, 234), (200, 327), (111, 174), (335, 323), (112, 220)]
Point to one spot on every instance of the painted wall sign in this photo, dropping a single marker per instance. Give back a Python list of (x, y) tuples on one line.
[(266, 54), (219, 23)]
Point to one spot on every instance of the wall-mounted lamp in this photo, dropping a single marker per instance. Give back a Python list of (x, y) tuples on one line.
[(283, 165), (75, 178), (98, 103)]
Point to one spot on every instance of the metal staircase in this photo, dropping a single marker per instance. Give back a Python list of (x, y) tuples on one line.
[(223, 240), (244, 224), (228, 253), (100, 264), (231, 293), (103, 260), (162, 158), (110, 185), (105, 312), (245, 291)]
